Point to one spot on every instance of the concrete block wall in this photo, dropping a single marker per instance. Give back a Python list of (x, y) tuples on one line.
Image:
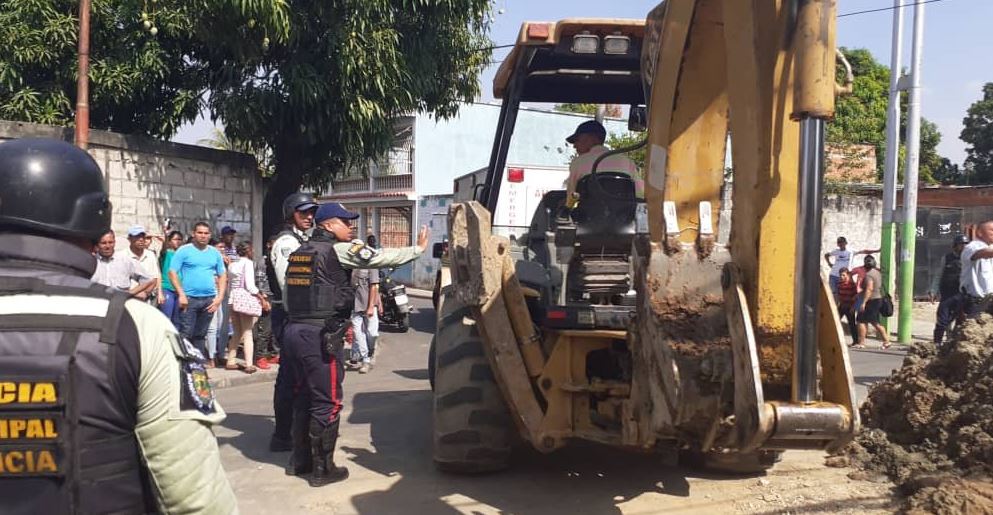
[(150, 181), (859, 218)]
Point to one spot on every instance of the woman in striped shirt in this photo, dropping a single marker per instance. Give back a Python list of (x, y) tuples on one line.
[(847, 293)]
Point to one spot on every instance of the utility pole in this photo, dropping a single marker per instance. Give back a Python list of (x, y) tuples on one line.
[(910, 181), (82, 136), (887, 261)]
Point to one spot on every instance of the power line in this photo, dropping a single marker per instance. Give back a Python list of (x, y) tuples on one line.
[(881, 9), (495, 47)]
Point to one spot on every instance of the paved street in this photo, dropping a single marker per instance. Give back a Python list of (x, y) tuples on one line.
[(386, 443)]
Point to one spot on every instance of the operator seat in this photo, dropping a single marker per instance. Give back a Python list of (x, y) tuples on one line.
[(605, 216)]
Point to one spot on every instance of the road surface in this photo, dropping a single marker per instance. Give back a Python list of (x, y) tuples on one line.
[(386, 444)]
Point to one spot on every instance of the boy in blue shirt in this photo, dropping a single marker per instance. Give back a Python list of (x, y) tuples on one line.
[(197, 273)]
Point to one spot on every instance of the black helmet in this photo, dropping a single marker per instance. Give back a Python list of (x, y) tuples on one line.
[(961, 239), (297, 202), (52, 187)]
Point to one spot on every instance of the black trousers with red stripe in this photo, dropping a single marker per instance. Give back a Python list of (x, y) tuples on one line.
[(319, 375)]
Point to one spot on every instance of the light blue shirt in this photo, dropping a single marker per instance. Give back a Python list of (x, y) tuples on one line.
[(197, 269)]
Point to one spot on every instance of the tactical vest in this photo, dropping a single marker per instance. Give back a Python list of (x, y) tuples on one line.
[(68, 398), (950, 276), (319, 289), (277, 294)]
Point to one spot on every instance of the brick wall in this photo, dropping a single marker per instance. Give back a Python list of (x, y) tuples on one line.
[(851, 163), (150, 180)]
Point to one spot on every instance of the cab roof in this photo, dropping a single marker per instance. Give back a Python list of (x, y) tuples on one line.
[(557, 74)]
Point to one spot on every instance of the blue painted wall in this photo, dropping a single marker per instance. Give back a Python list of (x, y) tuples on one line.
[(446, 149)]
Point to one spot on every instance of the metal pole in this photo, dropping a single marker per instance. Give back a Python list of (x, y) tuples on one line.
[(808, 267), (887, 259), (82, 82), (910, 181)]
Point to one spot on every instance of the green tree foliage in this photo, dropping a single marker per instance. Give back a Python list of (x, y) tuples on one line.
[(325, 99), (978, 134), (949, 173), (221, 141), (587, 109), (629, 139), (315, 85), (145, 73), (860, 118)]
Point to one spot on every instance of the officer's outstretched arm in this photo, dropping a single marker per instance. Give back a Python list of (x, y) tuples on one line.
[(357, 255), (176, 410)]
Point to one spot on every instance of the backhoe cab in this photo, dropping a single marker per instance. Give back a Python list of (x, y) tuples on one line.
[(655, 337)]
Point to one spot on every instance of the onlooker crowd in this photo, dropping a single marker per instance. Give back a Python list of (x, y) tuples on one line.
[(858, 291), (963, 289), (210, 289)]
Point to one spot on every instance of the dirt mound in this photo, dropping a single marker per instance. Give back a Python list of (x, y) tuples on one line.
[(929, 426)]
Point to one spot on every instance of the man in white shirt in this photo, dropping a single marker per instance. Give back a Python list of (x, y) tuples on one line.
[(117, 271), (977, 271), (842, 259), (147, 262), (588, 141)]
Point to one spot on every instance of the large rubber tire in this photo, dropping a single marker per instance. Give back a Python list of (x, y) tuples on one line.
[(431, 363), (403, 323), (472, 427)]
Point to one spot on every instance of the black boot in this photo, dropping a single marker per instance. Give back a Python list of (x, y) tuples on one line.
[(322, 442), (300, 460)]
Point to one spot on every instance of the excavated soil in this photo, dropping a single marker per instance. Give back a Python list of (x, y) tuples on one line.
[(929, 426)]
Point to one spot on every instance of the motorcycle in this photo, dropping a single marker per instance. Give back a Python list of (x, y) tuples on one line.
[(396, 305)]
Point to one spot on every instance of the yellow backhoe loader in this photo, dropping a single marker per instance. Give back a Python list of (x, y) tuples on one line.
[(665, 337)]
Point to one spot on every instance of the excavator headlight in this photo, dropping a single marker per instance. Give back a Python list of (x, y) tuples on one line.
[(616, 45), (585, 44)]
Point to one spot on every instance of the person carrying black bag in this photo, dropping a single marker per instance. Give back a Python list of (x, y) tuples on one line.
[(874, 297)]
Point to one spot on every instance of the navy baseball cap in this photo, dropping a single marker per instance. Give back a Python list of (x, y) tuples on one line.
[(228, 230), (333, 210), (588, 127)]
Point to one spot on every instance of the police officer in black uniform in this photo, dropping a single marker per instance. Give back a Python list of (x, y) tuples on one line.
[(319, 300), (103, 407), (298, 215), (952, 300)]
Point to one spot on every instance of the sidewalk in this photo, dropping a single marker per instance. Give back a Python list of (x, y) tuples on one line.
[(221, 378)]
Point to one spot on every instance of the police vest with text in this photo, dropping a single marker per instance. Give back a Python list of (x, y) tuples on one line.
[(68, 397), (319, 290), (270, 270)]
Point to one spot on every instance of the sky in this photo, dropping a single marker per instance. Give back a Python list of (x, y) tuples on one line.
[(957, 60)]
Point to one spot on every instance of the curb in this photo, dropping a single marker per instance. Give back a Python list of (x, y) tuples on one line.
[(223, 379)]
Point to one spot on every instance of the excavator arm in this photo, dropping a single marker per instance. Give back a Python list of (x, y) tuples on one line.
[(762, 71)]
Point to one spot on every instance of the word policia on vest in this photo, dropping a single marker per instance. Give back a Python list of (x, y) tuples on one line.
[(37, 432)]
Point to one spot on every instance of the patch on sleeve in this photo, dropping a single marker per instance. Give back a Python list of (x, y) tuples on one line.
[(285, 251), (196, 391), (361, 251), (194, 385)]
